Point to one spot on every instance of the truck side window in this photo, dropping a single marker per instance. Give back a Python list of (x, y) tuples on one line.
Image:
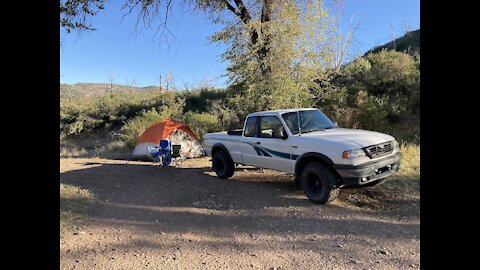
[(291, 119), (250, 127), (271, 127)]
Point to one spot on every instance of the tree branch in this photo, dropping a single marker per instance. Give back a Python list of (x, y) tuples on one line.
[(244, 14), (264, 50), (130, 11), (267, 10), (232, 8), (169, 3)]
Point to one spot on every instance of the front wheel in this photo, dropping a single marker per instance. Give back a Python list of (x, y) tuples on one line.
[(297, 183), (319, 183), (222, 165)]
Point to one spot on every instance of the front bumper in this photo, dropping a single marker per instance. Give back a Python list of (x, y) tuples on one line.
[(368, 172)]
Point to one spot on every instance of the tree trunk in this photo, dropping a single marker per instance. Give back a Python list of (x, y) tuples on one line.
[(244, 15), (263, 52)]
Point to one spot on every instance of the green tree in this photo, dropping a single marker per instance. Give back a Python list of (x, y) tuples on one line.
[(279, 50), (392, 73), (300, 54), (202, 122), (74, 14)]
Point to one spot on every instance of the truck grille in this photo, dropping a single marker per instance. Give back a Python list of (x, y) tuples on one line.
[(379, 150)]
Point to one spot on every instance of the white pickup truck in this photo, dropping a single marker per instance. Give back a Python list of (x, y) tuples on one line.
[(306, 143)]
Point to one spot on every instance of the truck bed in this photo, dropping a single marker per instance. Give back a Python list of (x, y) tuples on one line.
[(235, 132)]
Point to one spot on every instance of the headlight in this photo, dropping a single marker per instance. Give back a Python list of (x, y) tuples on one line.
[(351, 154), (395, 145)]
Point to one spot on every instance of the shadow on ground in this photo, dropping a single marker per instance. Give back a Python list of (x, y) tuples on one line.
[(191, 200)]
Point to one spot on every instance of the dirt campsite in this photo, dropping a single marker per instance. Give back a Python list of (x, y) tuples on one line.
[(120, 214), (144, 82)]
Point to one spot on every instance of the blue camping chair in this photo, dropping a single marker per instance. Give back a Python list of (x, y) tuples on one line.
[(155, 153), (165, 152)]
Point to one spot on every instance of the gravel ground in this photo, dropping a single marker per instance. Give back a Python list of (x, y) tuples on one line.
[(149, 217)]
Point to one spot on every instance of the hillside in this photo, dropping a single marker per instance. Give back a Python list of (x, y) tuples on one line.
[(82, 90), (409, 43)]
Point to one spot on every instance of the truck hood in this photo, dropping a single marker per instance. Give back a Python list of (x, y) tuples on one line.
[(360, 137)]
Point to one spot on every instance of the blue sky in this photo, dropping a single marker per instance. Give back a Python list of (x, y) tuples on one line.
[(116, 52)]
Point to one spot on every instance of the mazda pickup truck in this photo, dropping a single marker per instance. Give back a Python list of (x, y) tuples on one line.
[(307, 144)]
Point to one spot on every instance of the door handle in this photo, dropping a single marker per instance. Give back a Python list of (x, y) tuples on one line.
[(258, 143), (294, 146)]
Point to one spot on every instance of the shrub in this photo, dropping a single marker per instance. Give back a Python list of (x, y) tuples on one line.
[(392, 73), (358, 68), (369, 112), (78, 116), (199, 100), (133, 128), (227, 117), (202, 123), (331, 101)]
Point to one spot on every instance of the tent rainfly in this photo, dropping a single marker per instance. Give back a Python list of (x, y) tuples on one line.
[(175, 131)]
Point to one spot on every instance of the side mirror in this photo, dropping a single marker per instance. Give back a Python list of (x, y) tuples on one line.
[(283, 135)]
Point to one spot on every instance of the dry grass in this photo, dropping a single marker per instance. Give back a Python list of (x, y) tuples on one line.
[(72, 192), (408, 177), (112, 149), (398, 197), (410, 166), (72, 152), (75, 203), (93, 147)]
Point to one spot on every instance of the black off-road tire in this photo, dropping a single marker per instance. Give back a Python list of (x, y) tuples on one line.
[(222, 165), (297, 183), (319, 183)]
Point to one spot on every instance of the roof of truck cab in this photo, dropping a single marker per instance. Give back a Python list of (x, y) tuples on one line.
[(276, 112)]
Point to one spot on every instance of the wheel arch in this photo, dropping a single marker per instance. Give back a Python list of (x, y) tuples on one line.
[(306, 158), (220, 147)]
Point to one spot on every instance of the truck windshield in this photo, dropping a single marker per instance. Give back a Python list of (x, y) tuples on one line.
[(311, 120)]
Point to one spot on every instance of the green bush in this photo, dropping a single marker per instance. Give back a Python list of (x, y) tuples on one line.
[(79, 116), (133, 128), (414, 103), (227, 117), (199, 100), (369, 112), (379, 91), (392, 73), (358, 68), (202, 123)]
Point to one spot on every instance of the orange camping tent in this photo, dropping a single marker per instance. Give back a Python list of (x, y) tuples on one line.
[(161, 131)]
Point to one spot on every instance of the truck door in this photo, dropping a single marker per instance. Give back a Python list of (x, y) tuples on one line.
[(273, 151), (248, 140)]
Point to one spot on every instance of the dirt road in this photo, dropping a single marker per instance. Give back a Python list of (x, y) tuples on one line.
[(149, 217)]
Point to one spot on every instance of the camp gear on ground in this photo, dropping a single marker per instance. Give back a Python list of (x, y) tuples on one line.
[(177, 132)]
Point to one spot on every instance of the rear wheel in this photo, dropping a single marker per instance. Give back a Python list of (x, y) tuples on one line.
[(319, 183), (222, 165)]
